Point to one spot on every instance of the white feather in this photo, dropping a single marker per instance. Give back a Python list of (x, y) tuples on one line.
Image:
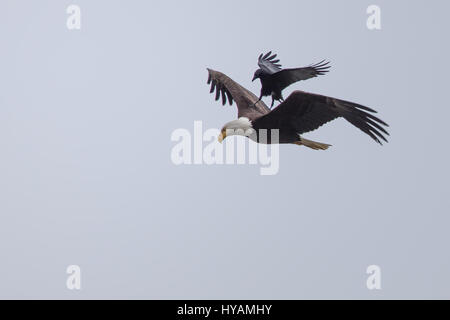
[(242, 127)]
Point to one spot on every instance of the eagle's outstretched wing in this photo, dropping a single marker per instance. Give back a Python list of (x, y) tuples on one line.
[(304, 112), (268, 64), (231, 91), (286, 77)]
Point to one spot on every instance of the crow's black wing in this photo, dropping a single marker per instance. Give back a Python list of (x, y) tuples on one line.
[(268, 63), (231, 91), (286, 77), (304, 112)]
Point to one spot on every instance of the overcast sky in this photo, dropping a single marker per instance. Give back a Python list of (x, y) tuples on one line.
[(86, 176)]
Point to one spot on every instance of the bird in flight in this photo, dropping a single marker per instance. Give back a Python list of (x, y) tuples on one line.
[(274, 79), (300, 113)]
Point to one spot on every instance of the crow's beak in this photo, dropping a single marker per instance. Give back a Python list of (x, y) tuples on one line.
[(254, 78)]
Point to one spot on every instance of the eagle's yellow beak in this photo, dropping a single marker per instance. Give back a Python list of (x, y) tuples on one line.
[(222, 136)]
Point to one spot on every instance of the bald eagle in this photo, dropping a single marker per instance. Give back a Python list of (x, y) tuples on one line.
[(274, 79), (300, 113)]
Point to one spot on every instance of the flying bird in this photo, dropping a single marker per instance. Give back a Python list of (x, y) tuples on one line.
[(300, 113), (274, 79)]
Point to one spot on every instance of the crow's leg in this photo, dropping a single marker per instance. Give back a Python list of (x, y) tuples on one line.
[(260, 97), (280, 99)]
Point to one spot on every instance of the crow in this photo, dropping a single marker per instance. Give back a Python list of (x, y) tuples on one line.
[(274, 79)]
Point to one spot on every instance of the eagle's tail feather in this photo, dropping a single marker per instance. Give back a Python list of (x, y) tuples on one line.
[(312, 144)]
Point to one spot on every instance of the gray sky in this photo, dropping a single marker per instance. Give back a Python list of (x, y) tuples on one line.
[(86, 175)]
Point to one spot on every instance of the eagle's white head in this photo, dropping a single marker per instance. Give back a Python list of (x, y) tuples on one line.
[(241, 127)]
